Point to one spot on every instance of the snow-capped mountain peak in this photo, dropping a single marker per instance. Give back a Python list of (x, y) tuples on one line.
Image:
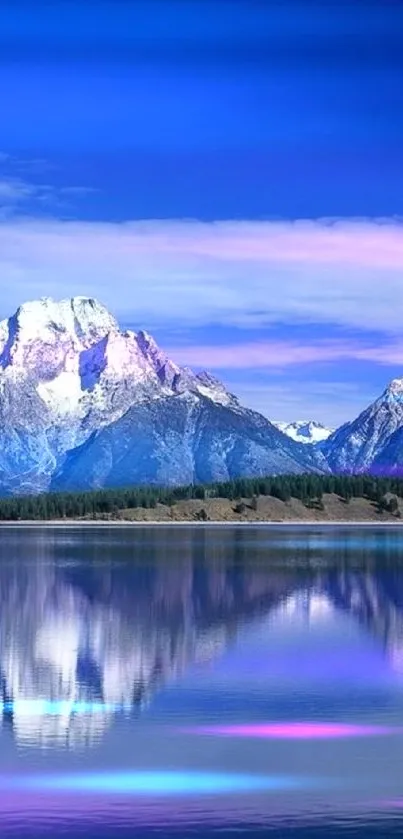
[(361, 445), (305, 431), (68, 373), (82, 319), (394, 391), (43, 336), (73, 348)]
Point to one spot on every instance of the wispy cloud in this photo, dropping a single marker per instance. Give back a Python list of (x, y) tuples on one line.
[(345, 272), (280, 354), (19, 192), (191, 275), (26, 165), (13, 190)]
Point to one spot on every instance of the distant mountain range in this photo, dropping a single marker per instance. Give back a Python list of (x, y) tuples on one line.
[(84, 404), (304, 431)]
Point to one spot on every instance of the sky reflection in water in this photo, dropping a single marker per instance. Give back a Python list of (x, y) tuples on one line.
[(195, 671)]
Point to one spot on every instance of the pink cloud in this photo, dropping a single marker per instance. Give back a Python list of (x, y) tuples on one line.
[(352, 242), (346, 271), (267, 354)]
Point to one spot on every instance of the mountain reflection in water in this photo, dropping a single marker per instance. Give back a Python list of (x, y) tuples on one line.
[(111, 630), (93, 624), (189, 680)]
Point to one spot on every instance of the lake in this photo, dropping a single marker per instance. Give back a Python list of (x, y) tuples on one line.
[(200, 681)]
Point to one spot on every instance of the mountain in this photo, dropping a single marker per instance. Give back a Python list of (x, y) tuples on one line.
[(371, 443), (304, 431), (85, 404), (183, 439), (389, 461)]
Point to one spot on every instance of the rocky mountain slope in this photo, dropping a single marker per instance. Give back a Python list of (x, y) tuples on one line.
[(179, 440), (371, 443), (83, 403), (389, 461), (304, 431)]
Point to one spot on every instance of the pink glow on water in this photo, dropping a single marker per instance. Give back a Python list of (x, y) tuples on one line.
[(296, 731)]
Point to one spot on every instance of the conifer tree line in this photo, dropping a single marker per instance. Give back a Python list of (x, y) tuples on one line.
[(307, 487)]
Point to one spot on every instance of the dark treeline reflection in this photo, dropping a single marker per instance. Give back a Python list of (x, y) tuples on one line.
[(112, 615)]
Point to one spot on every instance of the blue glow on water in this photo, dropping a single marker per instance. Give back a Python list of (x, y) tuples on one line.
[(43, 707), (153, 783), (317, 542)]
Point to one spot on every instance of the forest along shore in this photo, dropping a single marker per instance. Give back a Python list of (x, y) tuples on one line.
[(281, 498), (259, 510)]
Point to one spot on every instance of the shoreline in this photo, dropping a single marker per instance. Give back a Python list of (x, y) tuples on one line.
[(60, 523)]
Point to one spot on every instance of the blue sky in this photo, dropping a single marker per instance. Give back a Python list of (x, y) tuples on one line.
[(181, 160)]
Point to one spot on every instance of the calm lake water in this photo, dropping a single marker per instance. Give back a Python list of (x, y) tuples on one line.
[(190, 682)]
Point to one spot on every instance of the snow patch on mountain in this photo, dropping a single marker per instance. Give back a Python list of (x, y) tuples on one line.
[(213, 389), (394, 391), (304, 431), (63, 393)]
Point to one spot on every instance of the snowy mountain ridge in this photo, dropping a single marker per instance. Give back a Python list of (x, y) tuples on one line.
[(305, 431), (68, 373), (361, 445), (73, 347), (84, 404)]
